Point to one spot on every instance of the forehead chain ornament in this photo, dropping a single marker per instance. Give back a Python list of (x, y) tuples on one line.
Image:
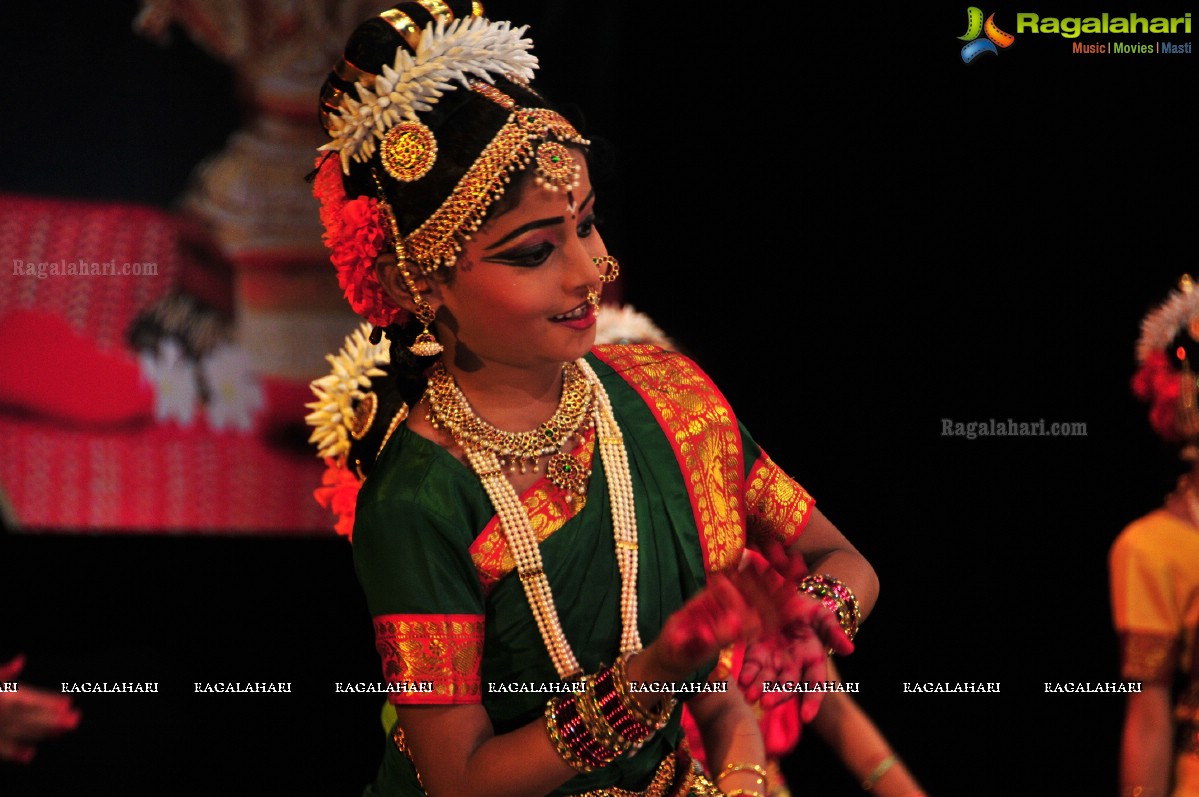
[(530, 136), (557, 168)]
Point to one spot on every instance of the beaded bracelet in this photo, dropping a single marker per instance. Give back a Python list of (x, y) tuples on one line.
[(621, 709), (614, 709), (837, 597), (593, 718), (729, 769), (655, 719), (580, 737), (760, 780), (748, 766), (565, 751), (590, 729)]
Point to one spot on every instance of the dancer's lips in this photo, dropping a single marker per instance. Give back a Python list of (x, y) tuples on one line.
[(580, 317)]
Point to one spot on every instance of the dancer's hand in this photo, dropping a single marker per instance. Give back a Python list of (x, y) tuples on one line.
[(711, 620), (753, 604), (30, 715), (799, 654)]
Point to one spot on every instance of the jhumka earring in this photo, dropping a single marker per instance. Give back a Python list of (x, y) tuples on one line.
[(425, 344), (608, 267)]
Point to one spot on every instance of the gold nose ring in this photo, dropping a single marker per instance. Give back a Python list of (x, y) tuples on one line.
[(608, 267)]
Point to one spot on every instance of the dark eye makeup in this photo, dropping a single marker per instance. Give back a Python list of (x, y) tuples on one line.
[(529, 256), (534, 254), (587, 225)]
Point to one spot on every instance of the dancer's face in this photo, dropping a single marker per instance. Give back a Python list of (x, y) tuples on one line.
[(519, 292)]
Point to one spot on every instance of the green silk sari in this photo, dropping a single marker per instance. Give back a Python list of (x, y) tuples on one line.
[(451, 615)]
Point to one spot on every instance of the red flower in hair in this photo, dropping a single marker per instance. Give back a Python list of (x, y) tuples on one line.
[(339, 493), (354, 236), (1159, 384)]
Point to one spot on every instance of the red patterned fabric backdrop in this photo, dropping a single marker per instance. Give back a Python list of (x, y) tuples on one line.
[(87, 450)]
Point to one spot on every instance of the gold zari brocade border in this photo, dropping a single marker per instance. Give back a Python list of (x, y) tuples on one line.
[(775, 503), (548, 511), (1149, 658), (444, 650), (704, 435)]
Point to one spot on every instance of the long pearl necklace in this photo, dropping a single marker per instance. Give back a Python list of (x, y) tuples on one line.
[(522, 542)]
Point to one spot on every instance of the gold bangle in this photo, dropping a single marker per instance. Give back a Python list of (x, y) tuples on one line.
[(879, 770), (560, 745), (729, 769), (656, 718), (596, 723), (837, 597)]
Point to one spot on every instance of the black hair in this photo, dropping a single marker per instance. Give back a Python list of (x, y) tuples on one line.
[(464, 122)]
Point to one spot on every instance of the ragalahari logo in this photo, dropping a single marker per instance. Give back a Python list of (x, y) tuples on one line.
[(975, 27)]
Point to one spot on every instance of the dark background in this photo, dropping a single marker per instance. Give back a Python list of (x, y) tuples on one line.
[(855, 233)]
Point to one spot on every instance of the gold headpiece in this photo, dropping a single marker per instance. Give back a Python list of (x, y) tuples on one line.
[(529, 134), (470, 52), (448, 52)]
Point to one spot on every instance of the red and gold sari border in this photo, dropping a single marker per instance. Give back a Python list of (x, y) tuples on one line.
[(548, 510), (704, 435), (431, 658), (775, 503)]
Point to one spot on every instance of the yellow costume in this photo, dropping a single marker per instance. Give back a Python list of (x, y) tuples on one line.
[(1155, 600)]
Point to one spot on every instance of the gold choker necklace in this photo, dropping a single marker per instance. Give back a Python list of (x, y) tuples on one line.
[(450, 409), (484, 452)]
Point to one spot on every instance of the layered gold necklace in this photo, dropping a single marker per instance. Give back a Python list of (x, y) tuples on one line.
[(584, 402), (450, 410)]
